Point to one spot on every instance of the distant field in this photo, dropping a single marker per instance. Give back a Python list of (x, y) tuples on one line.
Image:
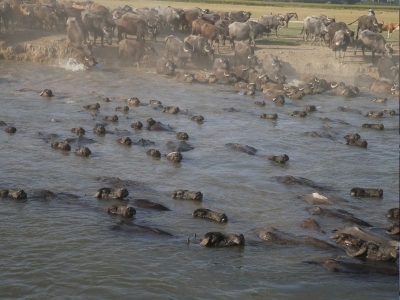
[(343, 13)]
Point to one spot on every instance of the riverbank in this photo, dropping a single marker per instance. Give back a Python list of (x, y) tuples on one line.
[(298, 57)]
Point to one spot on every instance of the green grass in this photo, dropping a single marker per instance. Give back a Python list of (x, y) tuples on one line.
[(292, 6)]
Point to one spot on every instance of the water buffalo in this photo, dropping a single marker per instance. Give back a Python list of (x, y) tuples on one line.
[(314, 27), (187, 195), (211, 33), (174, 156), (205, 77), (184, 77), (190, 15), (340, 42), (82, 58), (165, 66), (61, 145), (77, 35), (339, 214), (124, 211), (96, 25), (218, 239), (239, 16), (279, 158), (196, 26), (134, 49), (209, 214), (224, 76), (244, 53), (45, 17), (336, 26), (111, 193), (374, 126), (170, 16), (129, 25), (222, 64), (272, 22), (223, 26), (16, 194), (367, 23), (374, 42), (182, 136), (388, 68), (271, 63), (249, 30), (176, 48), (5, 13), (377, 252), (200, 46), (361, 192), (382, 87), (83, 151)]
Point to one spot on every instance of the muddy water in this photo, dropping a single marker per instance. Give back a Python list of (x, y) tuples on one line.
[(71, 248)]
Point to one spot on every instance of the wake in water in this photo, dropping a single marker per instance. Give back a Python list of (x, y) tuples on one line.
[(72, 65)]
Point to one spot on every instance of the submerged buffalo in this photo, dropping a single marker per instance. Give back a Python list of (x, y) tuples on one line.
[(111, 193), (242, 148), (360, 192), (218, 239), (276, 236), (339, 214), (374, 251), (10, 129), (175, 156), (15, 194), (154, 153), (124, 211), (187, 195), (334, 265), (209, 214), (279, 158), (144, 203), (61, 145), (83, 151)]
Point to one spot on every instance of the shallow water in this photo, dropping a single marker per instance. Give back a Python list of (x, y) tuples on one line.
[(68, 246)]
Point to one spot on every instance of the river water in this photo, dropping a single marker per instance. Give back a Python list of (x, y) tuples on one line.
[(69, 248)]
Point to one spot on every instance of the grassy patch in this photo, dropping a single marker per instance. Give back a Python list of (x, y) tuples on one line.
[(292, 5)]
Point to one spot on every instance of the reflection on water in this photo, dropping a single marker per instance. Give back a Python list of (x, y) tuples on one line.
[(69, 245)]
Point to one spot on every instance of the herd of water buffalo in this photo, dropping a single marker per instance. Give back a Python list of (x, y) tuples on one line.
[(206, 28), (246, 72)]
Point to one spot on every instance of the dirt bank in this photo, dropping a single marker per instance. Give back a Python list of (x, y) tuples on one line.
[(298, 57)]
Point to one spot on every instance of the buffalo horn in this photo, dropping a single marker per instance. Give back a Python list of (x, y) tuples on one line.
[(245, 69), (386, 46), (205, 49), (334, 86), (249, 56), (277, 77), (226, 74), (105, 30), (301, 89), (184, 49)]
